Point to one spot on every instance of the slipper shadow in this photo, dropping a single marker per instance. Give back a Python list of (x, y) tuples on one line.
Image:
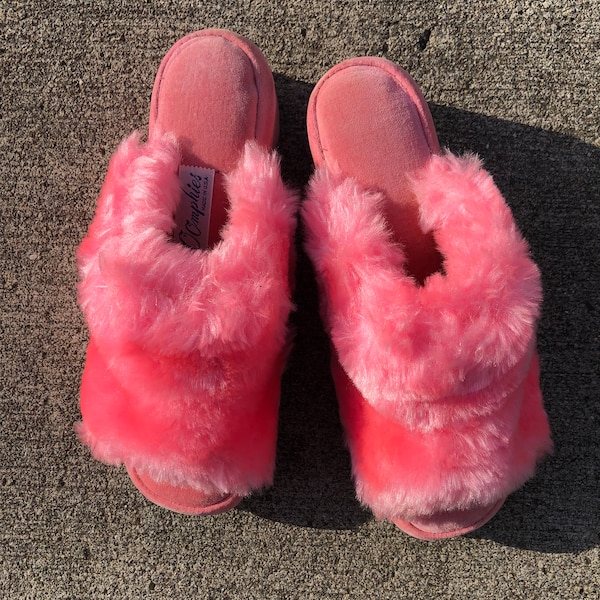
[(313, 482), (552, 182)]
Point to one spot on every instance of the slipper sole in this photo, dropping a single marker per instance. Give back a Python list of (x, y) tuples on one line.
[(182, 500)]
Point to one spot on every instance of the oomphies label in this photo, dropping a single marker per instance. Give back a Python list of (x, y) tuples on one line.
[(192, 218)]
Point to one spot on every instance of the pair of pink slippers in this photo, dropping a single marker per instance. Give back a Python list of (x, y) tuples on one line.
[(428, 293)]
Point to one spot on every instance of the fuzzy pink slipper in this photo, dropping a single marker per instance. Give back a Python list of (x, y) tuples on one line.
[(184, 284), (430, 298)]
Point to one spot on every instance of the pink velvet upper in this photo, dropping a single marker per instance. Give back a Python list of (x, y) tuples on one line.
[(187, 346)]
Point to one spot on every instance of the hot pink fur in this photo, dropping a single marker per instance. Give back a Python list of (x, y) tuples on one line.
[(187, 346), (440, 398)]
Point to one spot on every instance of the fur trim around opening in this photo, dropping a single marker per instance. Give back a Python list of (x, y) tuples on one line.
[(186, 345), (440, 363)]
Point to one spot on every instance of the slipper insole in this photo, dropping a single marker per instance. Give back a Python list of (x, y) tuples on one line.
[(370, 120)]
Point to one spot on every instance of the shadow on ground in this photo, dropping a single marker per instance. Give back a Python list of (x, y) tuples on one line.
[(552, 183)]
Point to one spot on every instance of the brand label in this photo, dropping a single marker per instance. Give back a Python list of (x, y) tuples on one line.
[(193, 213)]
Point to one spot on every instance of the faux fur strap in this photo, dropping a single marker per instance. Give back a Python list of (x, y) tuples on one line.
[(141, 290), (460, 333)]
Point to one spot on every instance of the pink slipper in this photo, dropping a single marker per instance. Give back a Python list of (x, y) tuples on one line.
[(430, 298), (184, 284)]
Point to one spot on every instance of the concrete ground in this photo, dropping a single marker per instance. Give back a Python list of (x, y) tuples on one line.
[(515, 81)]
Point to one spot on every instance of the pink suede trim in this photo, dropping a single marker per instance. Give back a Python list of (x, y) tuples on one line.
[(187, 346)]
